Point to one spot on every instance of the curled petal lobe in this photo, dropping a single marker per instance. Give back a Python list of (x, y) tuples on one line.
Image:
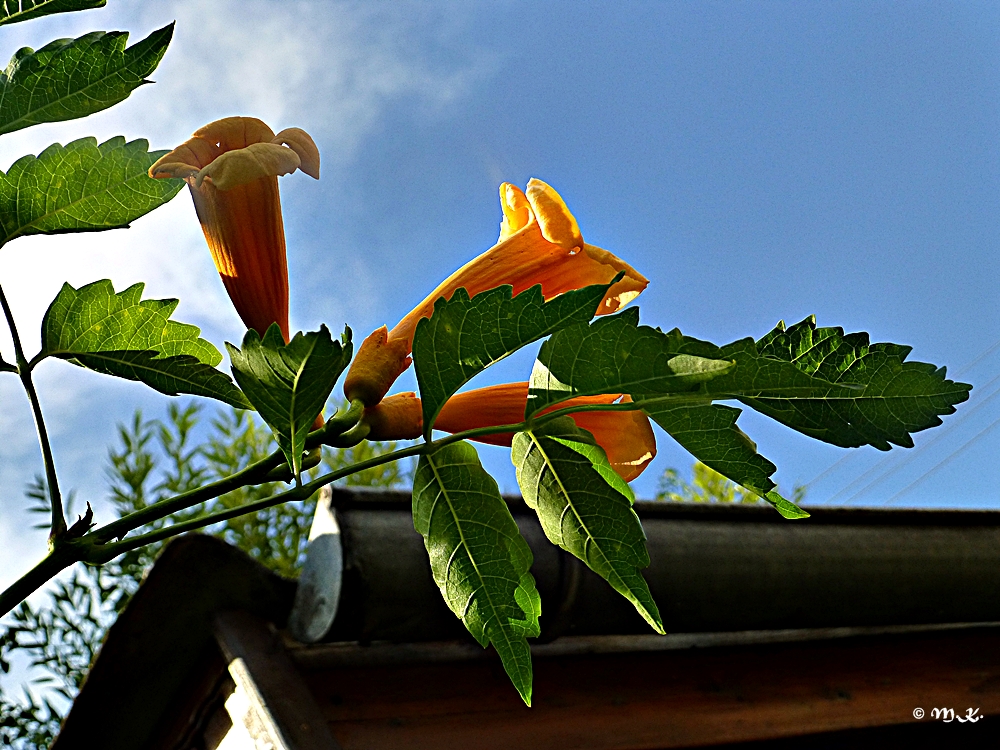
[(548, 249), (516, 210), (304, 146), (557, 224), (231, 167)]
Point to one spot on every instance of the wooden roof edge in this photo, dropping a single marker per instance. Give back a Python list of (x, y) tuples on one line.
[(160, 639)]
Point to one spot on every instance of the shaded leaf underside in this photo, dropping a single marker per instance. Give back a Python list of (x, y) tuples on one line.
[(15, 11), (124, 335), (478, 558), (71, 78), (585, 508), (465, 336), (290, 383)]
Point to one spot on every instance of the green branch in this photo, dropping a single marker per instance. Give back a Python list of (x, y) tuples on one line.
[(58, 523), (94, 547)]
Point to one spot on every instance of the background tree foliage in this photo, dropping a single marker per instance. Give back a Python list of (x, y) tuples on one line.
[(153, 459)]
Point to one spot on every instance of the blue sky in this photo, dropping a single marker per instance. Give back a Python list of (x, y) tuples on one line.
[(757, 161)]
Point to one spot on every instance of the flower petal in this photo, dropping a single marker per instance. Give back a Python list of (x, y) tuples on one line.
[(626, 436), (246, 237), (247, 164), (231, 133), (302, 144), (558, 225), (516, 210)]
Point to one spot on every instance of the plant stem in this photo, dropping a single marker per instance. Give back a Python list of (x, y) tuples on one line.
[(110, 551), (252, 474), (58, 524), (49, 567), (93, 547)]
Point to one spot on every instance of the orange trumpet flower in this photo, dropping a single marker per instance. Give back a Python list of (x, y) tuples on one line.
[(540, 243), (626, 436), (231, 167)]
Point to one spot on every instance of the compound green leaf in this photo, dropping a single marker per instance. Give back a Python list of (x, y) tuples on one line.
[(585, 507), (838, 388), (71, 78), (124, 335), (290, 383), (81, 187), (710, 434), (15, 11), (465, 336), (478, 557), (616, 355)]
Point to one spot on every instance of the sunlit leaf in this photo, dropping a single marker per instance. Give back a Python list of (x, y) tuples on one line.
[(616, 355), (290, 383), (465, 336), (71, 78), (81, 187), (834, 387), (478, 557), (124, 335), (15, 11), (585, 507), (710, 434)]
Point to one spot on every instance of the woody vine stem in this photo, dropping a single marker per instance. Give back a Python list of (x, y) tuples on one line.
[(96, 547), (58, 524)]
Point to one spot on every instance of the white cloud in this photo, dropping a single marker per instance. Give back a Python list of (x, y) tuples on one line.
[(332, 68)]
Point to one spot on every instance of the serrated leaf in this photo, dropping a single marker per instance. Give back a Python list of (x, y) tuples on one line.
[(838, 388), (290, 383), (585, 508), (15, 11), (710, 434), (478, 557), (465, 336), (81, 187), (124, 335), (616, 355), (71, 78)]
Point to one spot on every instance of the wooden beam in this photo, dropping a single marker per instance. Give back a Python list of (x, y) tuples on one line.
[(276, 705), (662, 699)]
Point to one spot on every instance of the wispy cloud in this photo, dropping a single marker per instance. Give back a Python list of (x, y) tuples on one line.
[(332, 68)]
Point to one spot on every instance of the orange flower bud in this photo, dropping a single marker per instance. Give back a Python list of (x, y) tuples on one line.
[(376, 366), (626, 436), (397, 417)]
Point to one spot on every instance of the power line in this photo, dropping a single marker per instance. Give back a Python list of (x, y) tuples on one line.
[(914, 454), (945, 430), (943, 461)]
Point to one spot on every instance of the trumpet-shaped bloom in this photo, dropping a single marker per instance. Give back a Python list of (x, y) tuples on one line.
[(540, 243), (626, 436), (231, 167)]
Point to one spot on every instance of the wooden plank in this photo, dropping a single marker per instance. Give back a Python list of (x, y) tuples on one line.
[(275, 704), (666, 699)]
